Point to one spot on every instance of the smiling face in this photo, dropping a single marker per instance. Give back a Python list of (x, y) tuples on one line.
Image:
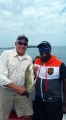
[(45, 53), (21, 46)]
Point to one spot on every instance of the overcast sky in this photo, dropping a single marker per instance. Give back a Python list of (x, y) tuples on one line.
[(39, 20)]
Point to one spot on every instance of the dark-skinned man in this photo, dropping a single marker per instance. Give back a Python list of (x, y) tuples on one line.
[(51, 76)]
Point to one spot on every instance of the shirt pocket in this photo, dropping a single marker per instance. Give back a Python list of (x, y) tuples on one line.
[(11, 67)]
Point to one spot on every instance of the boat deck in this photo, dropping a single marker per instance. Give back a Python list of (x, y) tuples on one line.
[(13, 116)]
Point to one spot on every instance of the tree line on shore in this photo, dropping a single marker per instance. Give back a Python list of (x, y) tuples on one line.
[(30, 46)]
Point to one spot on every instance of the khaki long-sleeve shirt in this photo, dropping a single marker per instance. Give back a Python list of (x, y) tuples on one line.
[(13, 67)]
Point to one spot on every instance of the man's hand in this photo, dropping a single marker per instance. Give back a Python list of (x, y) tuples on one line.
[(35, 68), (18, 89)]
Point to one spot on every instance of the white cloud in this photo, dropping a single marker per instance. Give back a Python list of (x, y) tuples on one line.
[(38, 19)]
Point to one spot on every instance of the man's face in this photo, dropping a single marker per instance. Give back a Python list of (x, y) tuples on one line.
[(44, 52), (21, 46)]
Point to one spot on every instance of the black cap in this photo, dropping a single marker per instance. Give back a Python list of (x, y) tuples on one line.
[(20, 37), (44, 43)]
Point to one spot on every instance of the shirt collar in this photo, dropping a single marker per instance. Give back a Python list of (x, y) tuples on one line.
[(15, 53)]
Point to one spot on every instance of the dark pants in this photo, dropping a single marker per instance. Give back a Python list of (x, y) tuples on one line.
[(47, 110)]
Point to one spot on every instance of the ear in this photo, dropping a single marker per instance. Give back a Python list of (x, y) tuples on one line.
[(15, 43), (50, 50)]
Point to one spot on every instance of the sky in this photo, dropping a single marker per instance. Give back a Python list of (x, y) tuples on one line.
[(39, 20)]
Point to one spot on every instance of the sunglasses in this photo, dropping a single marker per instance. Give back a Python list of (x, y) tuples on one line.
[(44, 49), (21, 43)]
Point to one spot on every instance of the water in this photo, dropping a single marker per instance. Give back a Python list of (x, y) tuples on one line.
[(59, 52)]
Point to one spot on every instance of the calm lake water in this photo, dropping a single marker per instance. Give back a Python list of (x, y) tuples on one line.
[(60, 52)]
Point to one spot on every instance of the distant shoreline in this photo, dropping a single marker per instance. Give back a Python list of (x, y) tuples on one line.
[(14, 47), (30, 46)]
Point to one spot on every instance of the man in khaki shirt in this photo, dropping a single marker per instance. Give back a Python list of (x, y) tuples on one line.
[(13, 64)]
